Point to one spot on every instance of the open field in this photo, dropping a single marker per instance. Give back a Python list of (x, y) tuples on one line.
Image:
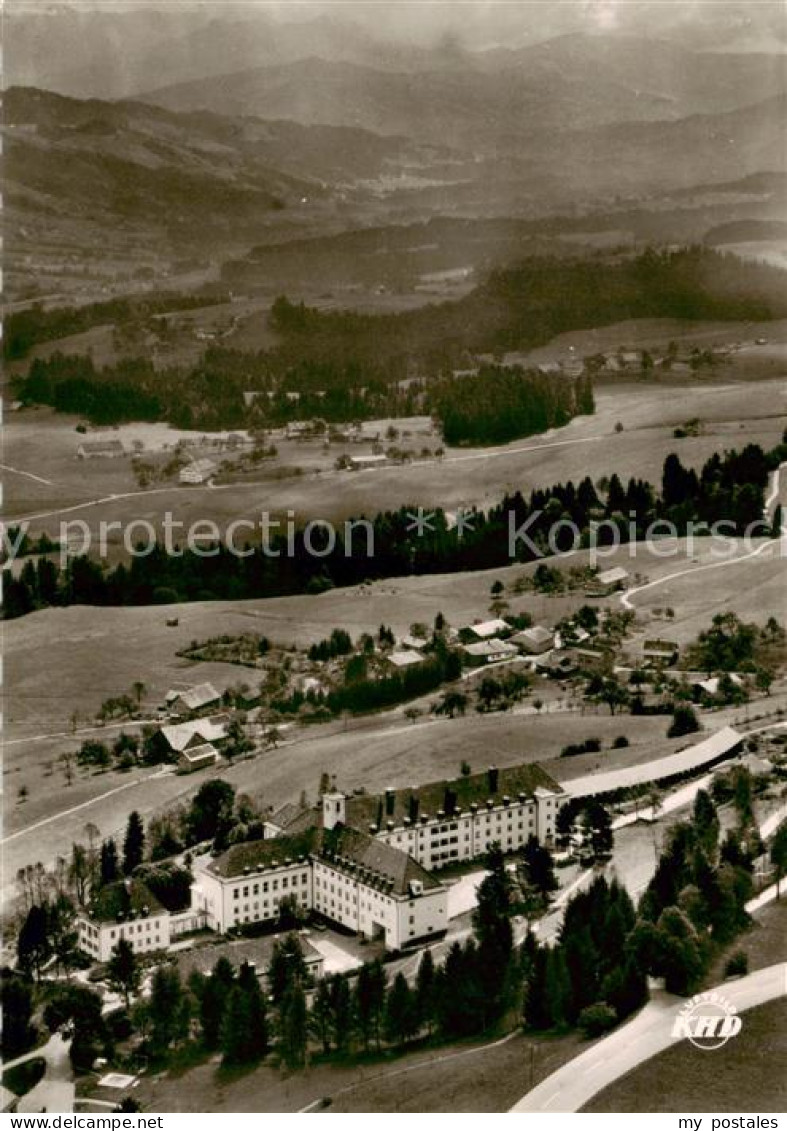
[(744, 1075), (732, 413), (656, 333)]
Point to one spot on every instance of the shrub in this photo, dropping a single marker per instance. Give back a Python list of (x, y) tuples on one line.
[(737, 964), (684, 721), (620, 742), (597, 1019)]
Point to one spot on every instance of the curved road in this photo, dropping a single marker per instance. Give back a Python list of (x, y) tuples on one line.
[(55, 1091), (625, 598), (649, 1033)]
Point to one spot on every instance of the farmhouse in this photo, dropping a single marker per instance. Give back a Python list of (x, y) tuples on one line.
[(404, 658), (100, 449), (707, 688), (484, 629), (557, 665), (606, 583), (199, 698), (414, 643), (198, 471), (172, 740), (659, 653), (589, 659), (534, 640), (361, 463), (197, 755), (489, 652)]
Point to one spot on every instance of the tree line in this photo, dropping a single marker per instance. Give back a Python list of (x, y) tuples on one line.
[(729, 487), (24, 329), (345, 366), (497, 404)]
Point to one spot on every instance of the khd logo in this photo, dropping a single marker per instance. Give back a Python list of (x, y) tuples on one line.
[(708, 1020)]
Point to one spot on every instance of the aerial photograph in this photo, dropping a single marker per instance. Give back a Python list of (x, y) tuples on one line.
[(394, 559)]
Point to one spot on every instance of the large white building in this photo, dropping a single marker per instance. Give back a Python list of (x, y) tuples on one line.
[(366, 862), (346, 875), (444, 823), (128, 909), (123, 910)]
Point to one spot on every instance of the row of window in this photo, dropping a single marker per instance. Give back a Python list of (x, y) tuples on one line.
[(253, 913), (255, 888)]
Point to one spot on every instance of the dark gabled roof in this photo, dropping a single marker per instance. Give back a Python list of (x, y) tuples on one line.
[(258, 951), (123, 901), (365, 809), (350, 850), (259, 854), (294, 818)]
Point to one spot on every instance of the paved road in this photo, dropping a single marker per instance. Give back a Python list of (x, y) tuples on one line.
[(55, 1091), (649, 1033), (625, 598), (328, 473)]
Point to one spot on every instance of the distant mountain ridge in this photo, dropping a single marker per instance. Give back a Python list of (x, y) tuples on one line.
[(486, 98)]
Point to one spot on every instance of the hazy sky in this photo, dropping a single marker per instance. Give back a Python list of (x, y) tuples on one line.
[(473, 22)]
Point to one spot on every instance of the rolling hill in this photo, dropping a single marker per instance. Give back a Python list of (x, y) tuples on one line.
[(114, 183), (487, 99)]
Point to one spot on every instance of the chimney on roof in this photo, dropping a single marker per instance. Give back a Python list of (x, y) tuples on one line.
[(493, 777), (390, 801)]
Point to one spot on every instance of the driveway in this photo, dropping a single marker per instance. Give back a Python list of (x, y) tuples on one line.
[(649, 1033), (55, 1091)]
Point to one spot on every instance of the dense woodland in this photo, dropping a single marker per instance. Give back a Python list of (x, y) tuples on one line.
[(343, 366), (729, 487), (497, 405)]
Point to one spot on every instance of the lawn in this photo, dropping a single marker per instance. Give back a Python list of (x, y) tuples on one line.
[(745, 1075), (765, 943), (24, 1077), (452, 1078)]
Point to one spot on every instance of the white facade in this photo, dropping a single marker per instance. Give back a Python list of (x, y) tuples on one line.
[(146, 933), (369, 908), (374, 911), (252, 897), (435, 841)]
